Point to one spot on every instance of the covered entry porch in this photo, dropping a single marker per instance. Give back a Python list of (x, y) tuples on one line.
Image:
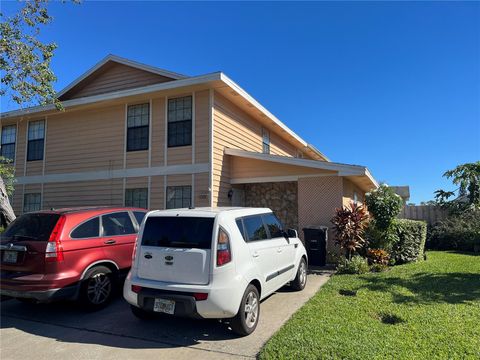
[(302, 192)]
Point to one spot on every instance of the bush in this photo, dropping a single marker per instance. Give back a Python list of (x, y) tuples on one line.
[(355, 265), (378, 256), (384, 205), (379, 238), (410, 243), (458, 232)]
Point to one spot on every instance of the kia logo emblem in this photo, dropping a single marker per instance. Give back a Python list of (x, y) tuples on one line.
[(169, 258)]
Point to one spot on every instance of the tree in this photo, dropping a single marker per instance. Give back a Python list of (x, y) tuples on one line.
[(467, 177), (6, 189), (25, 60)]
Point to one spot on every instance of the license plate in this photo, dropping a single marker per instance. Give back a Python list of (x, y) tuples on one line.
[(164, 306), (10, 257)]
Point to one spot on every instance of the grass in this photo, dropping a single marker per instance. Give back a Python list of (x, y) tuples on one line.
[(425, 310)]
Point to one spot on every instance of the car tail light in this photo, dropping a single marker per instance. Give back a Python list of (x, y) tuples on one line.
[(200, 296), (134, 253), (136, 288), (54, 250), (224, 255)]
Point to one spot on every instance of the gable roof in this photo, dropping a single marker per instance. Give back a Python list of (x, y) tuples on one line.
[(109, 59)]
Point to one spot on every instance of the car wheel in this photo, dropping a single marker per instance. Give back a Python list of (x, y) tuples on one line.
[(246, 320), (97, 288), (301, 278), (140, 313)]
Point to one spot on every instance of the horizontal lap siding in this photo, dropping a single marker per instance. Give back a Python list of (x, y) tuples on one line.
[(157, 192), (86, 141), (137, 159), (116, 77), (233, 128), (158, 132), (202, 126), (201, 192), (20, 147), (84, 193), (34, 167), (136, 182), (179, 155)]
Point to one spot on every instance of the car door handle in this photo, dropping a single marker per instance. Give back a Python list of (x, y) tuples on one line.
[(255, 254), (110, 242), (148, 256), (279, 250)]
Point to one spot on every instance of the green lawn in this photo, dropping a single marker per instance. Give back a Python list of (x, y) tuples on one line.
[(426, 310)]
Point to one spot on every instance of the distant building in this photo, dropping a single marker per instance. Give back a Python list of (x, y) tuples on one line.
[(403, 192)]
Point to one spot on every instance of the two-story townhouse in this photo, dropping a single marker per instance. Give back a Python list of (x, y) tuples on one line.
[(136, 135)]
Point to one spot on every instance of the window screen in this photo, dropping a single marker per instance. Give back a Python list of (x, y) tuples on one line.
[(137, 198), (179, 197), (180, 121), (88, 229), (9, 135), (117, 224), (36, 138), (138, 127)]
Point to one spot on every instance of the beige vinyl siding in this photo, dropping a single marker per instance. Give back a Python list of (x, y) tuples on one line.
[(34, 167), (32, 189), (136, 182), (201, 193), (248, 168), (86, 140), (233, 128), (17, 202), (158, 132), (21, 147), (179, 155), (113, 77), (137, 159), (83, 193), (202, 126), (157, 193), (179, 180)]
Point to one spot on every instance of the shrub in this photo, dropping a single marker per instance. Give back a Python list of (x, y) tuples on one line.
[(355, 265), (379, 238), (378, 256), (410, 243), (384, 205), (458, 232), (349, 225)]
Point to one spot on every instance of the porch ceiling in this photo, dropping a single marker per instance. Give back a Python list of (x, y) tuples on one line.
[(252, 167)]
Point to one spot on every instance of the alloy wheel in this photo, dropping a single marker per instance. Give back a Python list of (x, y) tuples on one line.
[(99, 288), (251, 309)]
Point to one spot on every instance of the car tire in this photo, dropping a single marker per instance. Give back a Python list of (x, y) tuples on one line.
[(97, 288), (300, 280), (140, 313), (246, 320)]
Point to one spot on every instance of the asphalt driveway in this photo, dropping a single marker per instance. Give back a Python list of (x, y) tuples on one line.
[(59, 331)]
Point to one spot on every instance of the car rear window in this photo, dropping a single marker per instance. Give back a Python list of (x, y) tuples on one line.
[(31, 227), (178, 232)]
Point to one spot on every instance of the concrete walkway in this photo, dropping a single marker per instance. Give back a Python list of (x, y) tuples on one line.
[(60, 331)]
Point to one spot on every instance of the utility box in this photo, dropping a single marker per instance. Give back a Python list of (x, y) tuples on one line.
[(316, 244)]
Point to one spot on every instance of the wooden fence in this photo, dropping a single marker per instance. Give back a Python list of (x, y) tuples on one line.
[(429, 213)]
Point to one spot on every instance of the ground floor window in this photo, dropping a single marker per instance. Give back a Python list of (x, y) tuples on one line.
[(137, 198), (32, 202), (179, 197)]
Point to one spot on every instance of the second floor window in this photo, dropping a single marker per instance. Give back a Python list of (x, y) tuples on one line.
[(180, 121), (137, 127), (265, 141), (36, 140), (7, 148)]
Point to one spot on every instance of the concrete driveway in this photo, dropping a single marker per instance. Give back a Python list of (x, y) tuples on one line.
[(60, 331)]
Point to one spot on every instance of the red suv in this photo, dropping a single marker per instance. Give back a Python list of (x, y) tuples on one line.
[(76, 253)]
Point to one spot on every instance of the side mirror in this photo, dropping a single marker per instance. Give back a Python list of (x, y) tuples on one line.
[(292, 233)]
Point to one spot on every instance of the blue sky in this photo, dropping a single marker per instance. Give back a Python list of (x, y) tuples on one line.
[(394, 86)]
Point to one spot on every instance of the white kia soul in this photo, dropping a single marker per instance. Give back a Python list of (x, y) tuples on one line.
[(213, 263)]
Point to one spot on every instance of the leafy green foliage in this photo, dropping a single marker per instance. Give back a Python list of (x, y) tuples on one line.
[(7, 173), (410, 244), (25, 60), (436, 301), (467, 177), (381, 238), (384, 205), (350, 223), (355, 265), (457, 232)]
